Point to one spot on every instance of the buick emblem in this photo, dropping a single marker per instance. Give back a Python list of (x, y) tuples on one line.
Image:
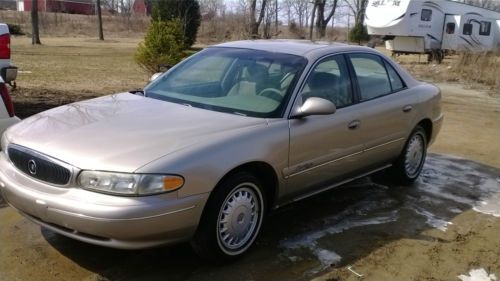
[(32, 167)]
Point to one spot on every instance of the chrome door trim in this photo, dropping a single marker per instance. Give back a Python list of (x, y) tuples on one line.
[(380, 145), (307, 195), (288, 175), (317, 166)]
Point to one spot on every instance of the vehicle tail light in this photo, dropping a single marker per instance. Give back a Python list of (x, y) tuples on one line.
[(5, 46), (4, 92)]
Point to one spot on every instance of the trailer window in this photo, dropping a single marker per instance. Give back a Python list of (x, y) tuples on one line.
[(485, 28), (426, 15), (450, 28), (467, 29)]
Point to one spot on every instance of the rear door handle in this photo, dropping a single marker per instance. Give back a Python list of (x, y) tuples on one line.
[(354, 125), (407, 108)]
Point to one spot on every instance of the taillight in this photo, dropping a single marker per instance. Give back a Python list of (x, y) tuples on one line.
[(5, 46), (4, 92)]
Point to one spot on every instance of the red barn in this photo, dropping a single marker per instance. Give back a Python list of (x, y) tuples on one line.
[(142, 7), (83, 7)]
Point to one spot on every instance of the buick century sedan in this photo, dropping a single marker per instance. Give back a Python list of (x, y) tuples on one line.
[(204, 151)]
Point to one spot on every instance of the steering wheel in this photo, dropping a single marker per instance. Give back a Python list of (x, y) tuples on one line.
[(271, 93)]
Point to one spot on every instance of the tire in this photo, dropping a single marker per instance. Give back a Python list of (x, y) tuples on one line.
[(231, 220), (410, 162)]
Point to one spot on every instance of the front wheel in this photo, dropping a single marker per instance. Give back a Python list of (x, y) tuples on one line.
[(232, 219), (409, 164)]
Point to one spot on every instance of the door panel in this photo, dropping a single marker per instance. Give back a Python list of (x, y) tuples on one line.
[(324, 148), (386, 109), (450, 32)]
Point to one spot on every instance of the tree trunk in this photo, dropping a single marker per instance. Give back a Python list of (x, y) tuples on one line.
[(255, 23), (35, 31), (311, 27), (99, 19)]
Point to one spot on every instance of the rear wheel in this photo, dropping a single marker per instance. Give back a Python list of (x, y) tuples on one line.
[(232, 219), (409, 164)]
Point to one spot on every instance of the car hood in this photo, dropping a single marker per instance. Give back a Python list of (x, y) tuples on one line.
[(121, 132)]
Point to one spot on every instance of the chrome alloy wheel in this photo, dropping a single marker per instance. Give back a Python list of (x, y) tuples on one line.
[(239, 218), (414, 155)]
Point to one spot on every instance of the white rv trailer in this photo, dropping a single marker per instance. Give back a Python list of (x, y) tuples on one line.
[(433, 27)]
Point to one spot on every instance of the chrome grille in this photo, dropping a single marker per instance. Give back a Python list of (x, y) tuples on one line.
[(39, 167)]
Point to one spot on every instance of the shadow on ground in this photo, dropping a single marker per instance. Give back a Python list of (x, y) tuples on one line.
[(302, 240)]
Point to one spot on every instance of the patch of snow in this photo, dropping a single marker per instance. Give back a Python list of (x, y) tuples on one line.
[(491, 206), (294, 258), (327, 258), (478, 275), (432, 220)]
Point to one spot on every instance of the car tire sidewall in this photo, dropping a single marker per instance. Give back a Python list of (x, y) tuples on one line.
[(206, 240), (400, 171)]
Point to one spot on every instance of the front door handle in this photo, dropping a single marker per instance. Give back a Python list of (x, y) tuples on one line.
[(354, 125), (407, 108)]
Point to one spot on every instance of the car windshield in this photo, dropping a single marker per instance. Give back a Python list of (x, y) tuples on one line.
[(239, 81)]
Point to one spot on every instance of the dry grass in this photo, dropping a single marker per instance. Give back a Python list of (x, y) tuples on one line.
[(481, 68), (68, 25), (64, 70), (478, 71)]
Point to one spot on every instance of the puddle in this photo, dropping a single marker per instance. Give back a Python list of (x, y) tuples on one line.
[(447, 187)]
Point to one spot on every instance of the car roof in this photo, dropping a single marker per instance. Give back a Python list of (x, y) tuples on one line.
[(303, 48)]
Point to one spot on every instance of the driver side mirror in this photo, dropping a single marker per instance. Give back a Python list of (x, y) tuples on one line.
[(315, 106)]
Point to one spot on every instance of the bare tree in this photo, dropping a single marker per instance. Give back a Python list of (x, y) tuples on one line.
[(358, 8), (301, 9), (270, 17), (256, 20), (35, 30), (323, 7), (99, 19)]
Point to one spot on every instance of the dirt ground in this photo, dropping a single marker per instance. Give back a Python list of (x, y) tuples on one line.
[(372, 228)]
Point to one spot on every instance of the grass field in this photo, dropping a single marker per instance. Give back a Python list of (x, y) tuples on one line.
[(63, 70)]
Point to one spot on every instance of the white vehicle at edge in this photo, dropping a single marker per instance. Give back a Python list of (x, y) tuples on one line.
[(8, 74), (411, 26)]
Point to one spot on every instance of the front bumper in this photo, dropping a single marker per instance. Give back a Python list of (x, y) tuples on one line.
[(101, 219)]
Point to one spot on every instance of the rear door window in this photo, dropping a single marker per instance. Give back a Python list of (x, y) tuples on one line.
[(371, 75)]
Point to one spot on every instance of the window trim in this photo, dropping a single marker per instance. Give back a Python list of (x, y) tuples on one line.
[(384, 62), (466, 25), (311, 70), (422, 15), (387, 65), (486, 23), (454, 28)]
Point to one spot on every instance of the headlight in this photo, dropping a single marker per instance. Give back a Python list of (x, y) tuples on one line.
[(129, 184)]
